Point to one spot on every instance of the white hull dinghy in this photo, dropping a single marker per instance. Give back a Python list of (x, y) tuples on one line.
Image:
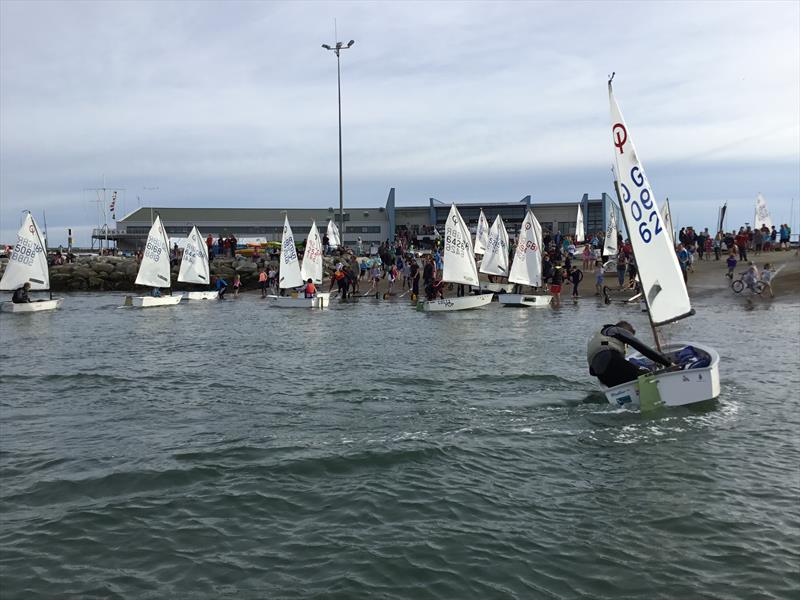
[(535, 300), (452, 304), (496, 288), (208, 295), (154, 271), (676, 374), (695, 378), (153, 301), (28, 264), (527, 266), (459, 268), (34, 306), (321, 300)]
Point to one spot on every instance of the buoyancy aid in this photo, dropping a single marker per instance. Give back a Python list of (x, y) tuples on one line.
[(600, 341)]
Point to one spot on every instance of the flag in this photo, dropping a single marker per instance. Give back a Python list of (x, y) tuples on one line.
[(112, 207)]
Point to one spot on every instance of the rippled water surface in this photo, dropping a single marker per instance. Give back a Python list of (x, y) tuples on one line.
[(232, 450)]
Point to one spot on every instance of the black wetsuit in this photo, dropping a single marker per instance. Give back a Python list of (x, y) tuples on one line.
[(20, 296)]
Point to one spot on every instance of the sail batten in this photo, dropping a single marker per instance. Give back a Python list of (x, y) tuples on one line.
[(495, 259), (527, 266), (28, 261), (655, 255), (312, 257), (333, 234), (155, 269), (290, 267), (459, 257), (194, 264)]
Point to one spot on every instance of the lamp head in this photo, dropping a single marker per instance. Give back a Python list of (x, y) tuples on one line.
[(326, 46), (350, 43)]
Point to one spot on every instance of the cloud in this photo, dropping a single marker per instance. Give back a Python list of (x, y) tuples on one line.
[(235, 103)]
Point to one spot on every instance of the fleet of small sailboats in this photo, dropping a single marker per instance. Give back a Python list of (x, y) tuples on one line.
[(28, 264), (291, 277), (459, 268)]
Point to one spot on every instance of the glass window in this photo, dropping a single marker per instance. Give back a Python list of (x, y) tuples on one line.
[(566, 227)]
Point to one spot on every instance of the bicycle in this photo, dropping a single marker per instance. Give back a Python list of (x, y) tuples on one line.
[(738, 285)]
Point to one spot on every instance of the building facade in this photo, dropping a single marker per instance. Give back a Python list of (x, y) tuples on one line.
[(372, 225)]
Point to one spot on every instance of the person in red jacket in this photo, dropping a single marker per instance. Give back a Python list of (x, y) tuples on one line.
[(310, 289), (741, 244)]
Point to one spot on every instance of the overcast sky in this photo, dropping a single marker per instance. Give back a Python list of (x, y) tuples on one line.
[(234, 104)]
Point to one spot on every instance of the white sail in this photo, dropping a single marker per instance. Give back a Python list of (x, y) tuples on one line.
[(659, 271), (481, 234), (155, 270), (762, 214), (580, 233), (312, 257), (610, 245), (459, 257), (194, 264), (527, 266), (28, 262), (289, 265), (333, 234), (666, 217), (495, 259)]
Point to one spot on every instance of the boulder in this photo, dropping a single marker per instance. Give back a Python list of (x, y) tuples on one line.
[(103, 267)]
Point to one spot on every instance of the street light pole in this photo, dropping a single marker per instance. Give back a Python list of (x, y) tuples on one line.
[(339, 46)]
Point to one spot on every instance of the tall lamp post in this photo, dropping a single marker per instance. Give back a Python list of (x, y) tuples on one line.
[(337, 49)]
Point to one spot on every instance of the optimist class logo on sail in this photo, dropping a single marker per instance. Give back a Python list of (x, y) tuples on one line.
[(638, 207)]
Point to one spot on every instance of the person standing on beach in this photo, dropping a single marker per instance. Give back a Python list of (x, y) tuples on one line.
[(731, 264), (622, 266), (555, 286), (683, 259), (599, 277), (262, 282), (413, 274), (575, 276), (237, 283), (741, 244)]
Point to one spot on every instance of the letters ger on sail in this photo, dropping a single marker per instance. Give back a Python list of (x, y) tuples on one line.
[(659, 270)]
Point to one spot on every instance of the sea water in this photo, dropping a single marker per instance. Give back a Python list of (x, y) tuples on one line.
[(229, 449)]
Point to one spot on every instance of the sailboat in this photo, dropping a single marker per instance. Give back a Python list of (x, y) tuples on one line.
[(686, 372), (666, 218), (481, 234), (333, 235), (610, 244), (459, 267), (762, 216), (194, 267), (580, 232), (155, 269), (291, 275), (495, 258), (28, 264), (527, 266)]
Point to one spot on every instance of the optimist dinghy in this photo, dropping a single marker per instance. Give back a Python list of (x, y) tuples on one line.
[(527, 266), (28, 264), (292, 276), (155, 270), (195, 268), (459, 267), (692, 373)]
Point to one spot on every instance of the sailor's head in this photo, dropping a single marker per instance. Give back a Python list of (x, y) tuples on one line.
[(27, 285), (626, 326)]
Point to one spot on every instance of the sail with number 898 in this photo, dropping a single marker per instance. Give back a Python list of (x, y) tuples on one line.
[(659, 269)]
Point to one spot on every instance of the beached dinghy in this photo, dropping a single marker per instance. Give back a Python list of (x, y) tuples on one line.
[(291, 275), (155, 270), (693, 375), (28, 264), (495, 258), (459, 267), (195, 267), (527, 266)]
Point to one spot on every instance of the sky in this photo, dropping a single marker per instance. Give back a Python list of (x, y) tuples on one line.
[(234, 104)]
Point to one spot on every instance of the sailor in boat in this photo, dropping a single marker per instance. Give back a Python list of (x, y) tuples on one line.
[(310, 290), (605, 354), (156, 293), (21, 294)]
